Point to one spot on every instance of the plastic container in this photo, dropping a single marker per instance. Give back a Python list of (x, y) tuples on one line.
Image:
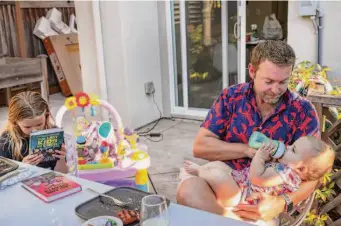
[(257, 139)]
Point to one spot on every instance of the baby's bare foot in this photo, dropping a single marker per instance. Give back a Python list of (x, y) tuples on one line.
[(191, 167)]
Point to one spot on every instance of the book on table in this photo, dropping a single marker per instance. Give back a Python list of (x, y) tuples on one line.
[(51, 186), (45, 142)]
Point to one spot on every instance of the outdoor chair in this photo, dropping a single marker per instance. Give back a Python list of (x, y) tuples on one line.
[(17, 71), (298, 214)]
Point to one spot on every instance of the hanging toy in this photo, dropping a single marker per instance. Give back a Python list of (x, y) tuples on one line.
[(92, 111), (93, 102)]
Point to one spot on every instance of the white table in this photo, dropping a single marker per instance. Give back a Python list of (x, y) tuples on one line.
[(20, 207)]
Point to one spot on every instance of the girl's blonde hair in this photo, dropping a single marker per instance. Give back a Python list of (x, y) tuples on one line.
[(25, 105)]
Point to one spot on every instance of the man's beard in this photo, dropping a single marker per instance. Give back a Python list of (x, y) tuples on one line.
[(271, 99)]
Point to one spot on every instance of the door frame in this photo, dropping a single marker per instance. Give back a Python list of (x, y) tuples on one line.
[(185, 111)]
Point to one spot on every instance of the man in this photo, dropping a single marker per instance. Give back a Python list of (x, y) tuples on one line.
[(266, 105)]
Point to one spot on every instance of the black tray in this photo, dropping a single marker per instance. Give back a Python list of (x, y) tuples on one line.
[(102, 206), (7, 166)]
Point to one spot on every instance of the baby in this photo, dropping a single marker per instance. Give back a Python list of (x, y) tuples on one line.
[(308, 159)]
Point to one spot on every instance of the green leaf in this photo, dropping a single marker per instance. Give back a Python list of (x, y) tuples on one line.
[(331, 185), (319, 67), (323, 198), (324, 217), (310, 217)]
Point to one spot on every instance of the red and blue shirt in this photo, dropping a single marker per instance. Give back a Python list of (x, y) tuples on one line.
[(234, 116)]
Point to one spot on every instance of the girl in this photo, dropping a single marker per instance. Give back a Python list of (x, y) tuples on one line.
[(27, 112)]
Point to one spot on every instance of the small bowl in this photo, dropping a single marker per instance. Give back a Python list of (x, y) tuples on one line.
[(103, 221)]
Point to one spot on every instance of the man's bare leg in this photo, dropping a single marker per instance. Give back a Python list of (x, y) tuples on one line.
[(218, 176), (196, 193)]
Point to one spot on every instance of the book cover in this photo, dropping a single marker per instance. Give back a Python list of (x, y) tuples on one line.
[(51, 186), (46, 142)]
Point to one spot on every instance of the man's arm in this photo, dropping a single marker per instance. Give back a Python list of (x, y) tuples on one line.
[(304, 191), (271, 206), (208, 145)]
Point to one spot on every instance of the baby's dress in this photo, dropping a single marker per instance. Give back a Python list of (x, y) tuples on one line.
[(290, 178)]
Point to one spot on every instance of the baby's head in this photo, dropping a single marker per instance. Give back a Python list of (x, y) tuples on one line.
[(310, 157)]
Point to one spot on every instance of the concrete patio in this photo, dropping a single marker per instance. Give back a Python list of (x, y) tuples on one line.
[(167, 152)]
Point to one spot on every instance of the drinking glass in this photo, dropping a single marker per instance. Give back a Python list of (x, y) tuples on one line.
[(154, 211)]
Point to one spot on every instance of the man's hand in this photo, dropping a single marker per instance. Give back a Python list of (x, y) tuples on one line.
[(250, 152), (268, 207)]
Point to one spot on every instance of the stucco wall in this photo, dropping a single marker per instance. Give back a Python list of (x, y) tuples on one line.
[(302, 37), (132, 57)]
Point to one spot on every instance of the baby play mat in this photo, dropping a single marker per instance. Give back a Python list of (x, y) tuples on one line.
[(103, 150)]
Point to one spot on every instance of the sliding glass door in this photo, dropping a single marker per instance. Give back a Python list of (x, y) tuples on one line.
[(207, 46)]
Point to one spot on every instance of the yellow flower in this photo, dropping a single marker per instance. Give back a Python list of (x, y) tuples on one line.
[(70, 103), (94, 99)]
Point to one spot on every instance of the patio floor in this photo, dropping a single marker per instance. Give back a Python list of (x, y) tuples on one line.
[(167, 155)]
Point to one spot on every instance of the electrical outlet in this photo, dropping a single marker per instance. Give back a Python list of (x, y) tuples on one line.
[(149, 88)]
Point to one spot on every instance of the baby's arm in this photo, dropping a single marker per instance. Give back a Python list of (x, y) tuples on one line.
[(261, 176)]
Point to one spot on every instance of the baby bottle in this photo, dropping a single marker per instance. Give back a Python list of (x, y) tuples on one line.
[(257, 139)]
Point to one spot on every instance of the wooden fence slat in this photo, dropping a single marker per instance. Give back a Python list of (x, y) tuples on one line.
[(11, 13), (331, 205), (336, 223), (46, 4), (5, 3), (7, 33), (4, 46), (20, 30), (12, 29), (325, 99)]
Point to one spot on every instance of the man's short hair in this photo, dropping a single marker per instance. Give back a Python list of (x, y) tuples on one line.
[(276, 51)]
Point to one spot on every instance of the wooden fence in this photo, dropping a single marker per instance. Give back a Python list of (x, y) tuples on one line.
[(17, 21)]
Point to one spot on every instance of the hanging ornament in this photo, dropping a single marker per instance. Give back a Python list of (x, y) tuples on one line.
[(82, 100), (92, 111), (70, 103)]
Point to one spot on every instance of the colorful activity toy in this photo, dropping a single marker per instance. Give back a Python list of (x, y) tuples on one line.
[(103, 150)]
